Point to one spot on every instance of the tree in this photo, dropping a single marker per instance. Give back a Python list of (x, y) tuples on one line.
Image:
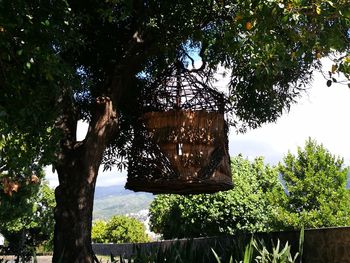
[(315, 184), (27, 221), (44, 217), (119, 229), (64, 61), (246, 207)]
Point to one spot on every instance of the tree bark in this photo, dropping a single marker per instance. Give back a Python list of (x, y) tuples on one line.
[(77, 167), (73, 213), (78, 162)]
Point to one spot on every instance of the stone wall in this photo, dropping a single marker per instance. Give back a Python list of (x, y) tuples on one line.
[(325, 245)]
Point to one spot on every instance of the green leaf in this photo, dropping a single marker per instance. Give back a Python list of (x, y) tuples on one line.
[(218, 260)]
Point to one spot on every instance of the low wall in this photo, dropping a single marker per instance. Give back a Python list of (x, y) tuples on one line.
[(324, 245)]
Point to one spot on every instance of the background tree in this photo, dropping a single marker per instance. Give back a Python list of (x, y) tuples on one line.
[(246, 207), (315, 184), (64, 61), (44, 217), (27, 219), (119, 229)]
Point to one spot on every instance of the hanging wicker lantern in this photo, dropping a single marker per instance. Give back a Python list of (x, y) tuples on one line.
[(180, 142)]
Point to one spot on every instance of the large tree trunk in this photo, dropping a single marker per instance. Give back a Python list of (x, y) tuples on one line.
[(73, 213), (78, 162), (77, 167)]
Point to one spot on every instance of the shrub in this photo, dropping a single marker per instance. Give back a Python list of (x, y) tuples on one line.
[(246, 208), (98, 231), (119, 229)]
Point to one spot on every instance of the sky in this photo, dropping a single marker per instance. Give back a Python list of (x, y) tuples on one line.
[(320, 113)]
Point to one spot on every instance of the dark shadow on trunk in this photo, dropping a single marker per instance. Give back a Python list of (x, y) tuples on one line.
[(73, 213)]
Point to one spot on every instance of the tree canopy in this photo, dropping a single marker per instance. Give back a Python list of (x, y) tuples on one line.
[(68, 53), (68, 60), (315, 183)]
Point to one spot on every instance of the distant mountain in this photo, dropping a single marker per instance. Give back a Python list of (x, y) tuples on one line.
[(115, 200), (115, 190)]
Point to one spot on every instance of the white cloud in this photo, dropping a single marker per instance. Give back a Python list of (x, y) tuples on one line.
[(113, 177), (82, 130), (51, 176), (320, 114)]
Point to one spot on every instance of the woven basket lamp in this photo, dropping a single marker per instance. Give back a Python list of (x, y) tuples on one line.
[(180, 142)]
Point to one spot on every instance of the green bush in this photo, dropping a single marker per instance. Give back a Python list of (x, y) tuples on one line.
[(98, 231), (31, 226), (247, 207), (119, 229), (257, 252)]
